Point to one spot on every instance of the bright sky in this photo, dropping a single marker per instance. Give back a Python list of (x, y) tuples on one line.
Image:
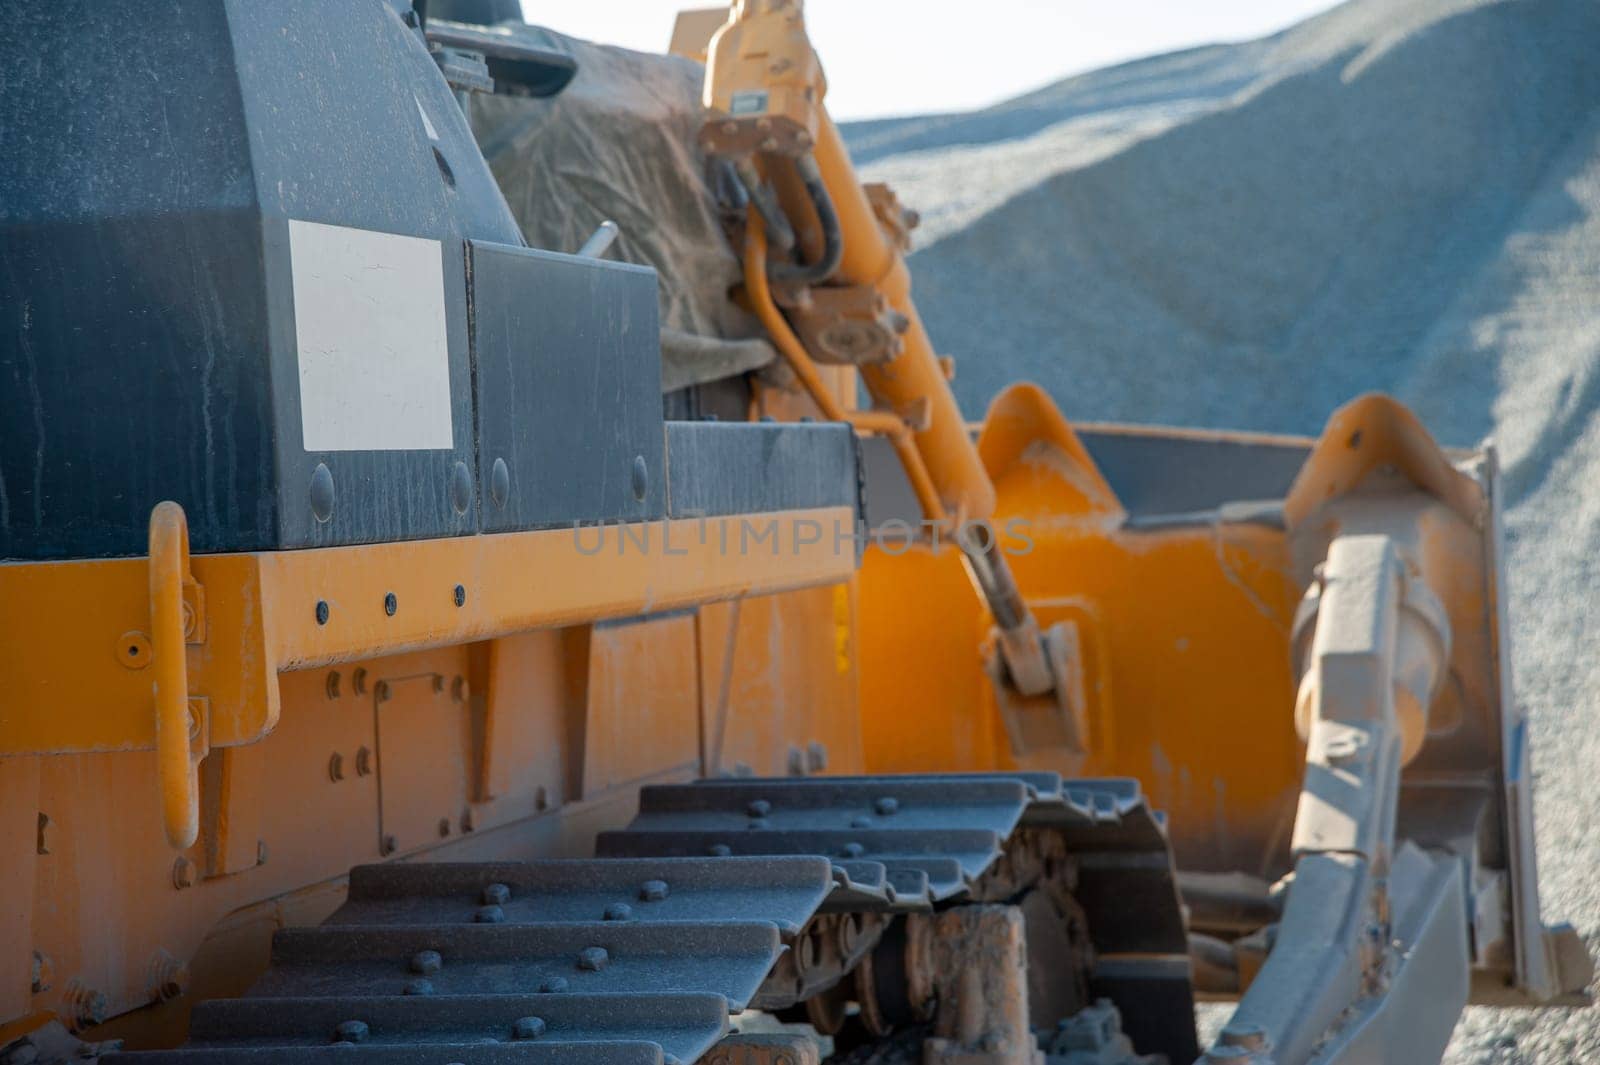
[(897, 57)]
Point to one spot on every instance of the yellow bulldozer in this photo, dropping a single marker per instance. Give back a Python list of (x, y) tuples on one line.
[(430, 636)]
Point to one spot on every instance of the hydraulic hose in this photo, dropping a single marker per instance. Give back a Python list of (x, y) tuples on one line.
[(780, 234), (888, 423), (827, 218)]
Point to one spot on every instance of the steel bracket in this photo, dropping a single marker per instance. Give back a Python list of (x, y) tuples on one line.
[(1056, 720)]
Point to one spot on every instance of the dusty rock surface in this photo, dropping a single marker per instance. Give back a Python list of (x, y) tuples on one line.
[(1400, 195)]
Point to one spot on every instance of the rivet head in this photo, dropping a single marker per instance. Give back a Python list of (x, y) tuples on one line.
[(459, 595), (183, 873), (653, 890), (758, 808), (554, 985), (500, 483), (426, 962), (390, 844), (854, 850), (641, 478), (593, 959), (321, 493), (461, 488), (496, 895), (336, 767), (390, 603), (351, 1032), (719, 850), (489, 915), (861, 821), (364, 761), (133, 650), (619, 911), (886, 806), (418, 987), (527, 1028), (322, 611)]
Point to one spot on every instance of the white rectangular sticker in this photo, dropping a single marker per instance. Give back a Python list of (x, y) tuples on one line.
[(370, 336), (749, 102)]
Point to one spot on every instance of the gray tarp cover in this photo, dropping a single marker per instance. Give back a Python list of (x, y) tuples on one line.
[(619, 143)]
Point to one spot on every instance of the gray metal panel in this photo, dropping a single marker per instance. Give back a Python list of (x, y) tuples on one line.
[(1156, 473), (784, 891), (378, 495), (685, 1025), (952, 859), (994, 805), (728, 958), (334, 93), (131, 312), (568, 379), (887, 494), (719, 468), (145, 312), (113, 398)]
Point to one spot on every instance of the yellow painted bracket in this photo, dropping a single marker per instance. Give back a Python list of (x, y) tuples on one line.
[(104, 654)]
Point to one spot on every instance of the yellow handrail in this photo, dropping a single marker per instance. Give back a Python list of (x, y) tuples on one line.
[(177, 728)]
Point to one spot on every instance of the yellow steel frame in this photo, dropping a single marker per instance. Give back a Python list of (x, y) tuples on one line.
[(76, 652)]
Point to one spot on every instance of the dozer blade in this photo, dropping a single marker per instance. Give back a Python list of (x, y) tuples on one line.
[(1301, 648)]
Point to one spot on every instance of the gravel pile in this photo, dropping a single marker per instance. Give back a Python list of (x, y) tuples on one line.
[(1400, 195)]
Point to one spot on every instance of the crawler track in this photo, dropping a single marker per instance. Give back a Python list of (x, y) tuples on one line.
[(721, 895)]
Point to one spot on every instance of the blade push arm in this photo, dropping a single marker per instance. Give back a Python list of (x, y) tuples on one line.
[(829, 251)]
